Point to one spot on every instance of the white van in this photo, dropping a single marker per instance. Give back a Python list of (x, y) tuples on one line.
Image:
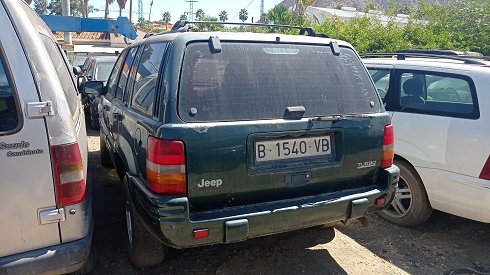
[(45, 194)]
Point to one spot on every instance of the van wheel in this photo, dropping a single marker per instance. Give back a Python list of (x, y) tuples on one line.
[(411, 205), (143, 248), (105, 157)]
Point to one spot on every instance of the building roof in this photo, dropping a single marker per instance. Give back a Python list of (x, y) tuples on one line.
[(84, 36)]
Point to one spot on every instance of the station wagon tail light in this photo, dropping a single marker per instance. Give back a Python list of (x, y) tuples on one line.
[(388, 147), (68, 174), (165, 166), (485, 172)]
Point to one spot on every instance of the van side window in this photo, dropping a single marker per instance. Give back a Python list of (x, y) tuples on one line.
[(121, 85), (111, 82), (144, 88), (9, 118)]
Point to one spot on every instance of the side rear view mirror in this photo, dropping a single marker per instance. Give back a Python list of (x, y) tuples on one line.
[(77, 70), (95, 87)]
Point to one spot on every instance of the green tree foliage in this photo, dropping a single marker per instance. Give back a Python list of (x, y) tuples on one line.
[(280, 14), (183, 17), (166, 17), (223, 16), (55, 7), (243, 15), (462, 25), (200, 15), (41, 6)]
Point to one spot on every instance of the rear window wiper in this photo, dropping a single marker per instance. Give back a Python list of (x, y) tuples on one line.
[(337, 117)]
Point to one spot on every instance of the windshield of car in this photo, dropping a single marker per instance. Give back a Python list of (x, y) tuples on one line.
[(103, 70), (248, 81)]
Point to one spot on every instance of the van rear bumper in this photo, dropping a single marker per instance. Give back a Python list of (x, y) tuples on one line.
[(170, 220), (58, 259)]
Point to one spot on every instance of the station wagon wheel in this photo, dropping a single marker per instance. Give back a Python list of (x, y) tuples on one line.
[(144, 249), (411, 205)]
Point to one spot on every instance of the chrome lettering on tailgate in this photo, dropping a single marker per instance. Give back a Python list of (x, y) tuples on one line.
[(292, 148), (366, 164), (210, 183)]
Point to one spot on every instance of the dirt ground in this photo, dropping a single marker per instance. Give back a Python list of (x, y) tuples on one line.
[(444, 245)]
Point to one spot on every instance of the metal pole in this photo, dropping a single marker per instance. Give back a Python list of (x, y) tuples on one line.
[(65, 9), (131, 11)]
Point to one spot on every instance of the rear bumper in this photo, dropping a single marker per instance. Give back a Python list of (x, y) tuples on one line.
[(58, 259), (169, 218)]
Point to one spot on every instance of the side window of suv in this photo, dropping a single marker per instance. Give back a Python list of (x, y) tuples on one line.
[(125, 71), (440, 94), (144, 88), (112, 81), (9, 117)]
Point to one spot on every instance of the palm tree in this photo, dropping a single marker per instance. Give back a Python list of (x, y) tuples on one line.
[(243, 15), (200, 15), (166, 17), (122, 5), (223, 16), (107, 3)]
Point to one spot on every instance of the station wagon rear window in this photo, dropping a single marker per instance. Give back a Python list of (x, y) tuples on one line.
[(250, 81)]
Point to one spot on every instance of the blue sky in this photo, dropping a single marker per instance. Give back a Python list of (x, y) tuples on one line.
[(178, 7)]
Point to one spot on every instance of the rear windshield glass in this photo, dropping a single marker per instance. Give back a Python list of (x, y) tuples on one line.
[(249, 81)]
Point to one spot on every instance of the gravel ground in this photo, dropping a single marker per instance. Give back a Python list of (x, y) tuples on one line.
[(444, 245)]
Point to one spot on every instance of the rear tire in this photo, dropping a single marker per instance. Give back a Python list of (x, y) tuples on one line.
[(105, 157), (411, 205), (143, 248)]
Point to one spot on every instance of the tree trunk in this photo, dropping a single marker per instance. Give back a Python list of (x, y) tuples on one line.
[(106, 15)]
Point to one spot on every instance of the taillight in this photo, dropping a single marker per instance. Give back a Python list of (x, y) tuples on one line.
[(68, 174), (388, 147), (165, 166), (485, 172)]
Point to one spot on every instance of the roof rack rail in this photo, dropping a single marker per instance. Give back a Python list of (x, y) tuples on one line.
[(183, 26), (440, 52), (402, 56)]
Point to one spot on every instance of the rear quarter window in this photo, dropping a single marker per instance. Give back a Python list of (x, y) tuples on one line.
[(64, 74), (249, 81), (440, 94), (9, 114)]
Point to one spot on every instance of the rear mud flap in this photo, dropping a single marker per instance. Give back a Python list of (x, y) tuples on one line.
[(358, 208), (236, 230)]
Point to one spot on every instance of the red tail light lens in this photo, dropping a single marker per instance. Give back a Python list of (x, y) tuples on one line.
[(68, 174), (485, 172), (388, 147), (165, 166)]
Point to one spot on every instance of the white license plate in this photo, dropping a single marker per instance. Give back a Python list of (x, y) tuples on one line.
[(292, 148)]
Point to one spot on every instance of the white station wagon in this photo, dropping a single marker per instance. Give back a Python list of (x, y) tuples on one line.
[(440, 105), (46, 220)]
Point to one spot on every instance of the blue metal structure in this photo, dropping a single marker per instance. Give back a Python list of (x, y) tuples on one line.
[(120, 26)]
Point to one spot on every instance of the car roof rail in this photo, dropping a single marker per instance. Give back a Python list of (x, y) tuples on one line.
[(440, 52), (469, 59), (185, 26)]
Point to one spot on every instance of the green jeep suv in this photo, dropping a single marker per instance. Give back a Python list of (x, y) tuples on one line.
[(221, 137)]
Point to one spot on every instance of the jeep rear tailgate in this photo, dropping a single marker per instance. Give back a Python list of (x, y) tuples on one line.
[(266, 122)]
